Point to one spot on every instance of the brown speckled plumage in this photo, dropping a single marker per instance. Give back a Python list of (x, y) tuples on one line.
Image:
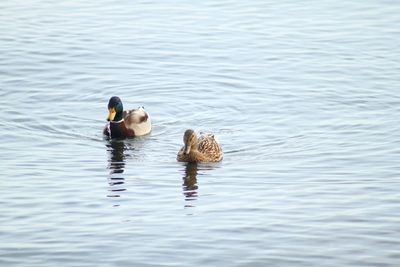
[(202, 149)]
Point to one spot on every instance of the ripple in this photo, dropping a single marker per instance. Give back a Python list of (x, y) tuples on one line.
[(303, 99)]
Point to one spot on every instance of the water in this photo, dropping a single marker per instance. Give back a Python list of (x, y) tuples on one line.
[(303, 96)]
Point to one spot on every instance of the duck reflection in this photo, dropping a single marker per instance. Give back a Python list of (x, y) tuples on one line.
[(189, 185), (117, 150)]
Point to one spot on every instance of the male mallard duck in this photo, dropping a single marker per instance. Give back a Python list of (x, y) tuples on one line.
[(203, 149), (124, 124)]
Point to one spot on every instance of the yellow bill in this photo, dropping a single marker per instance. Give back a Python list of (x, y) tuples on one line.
[(111, 114)]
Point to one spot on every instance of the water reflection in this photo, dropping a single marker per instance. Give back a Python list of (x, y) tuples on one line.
[(117, 150), (189, 185), (191, 172)]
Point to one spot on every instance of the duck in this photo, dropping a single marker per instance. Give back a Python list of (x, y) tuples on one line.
[(203, 149), (125, 124)]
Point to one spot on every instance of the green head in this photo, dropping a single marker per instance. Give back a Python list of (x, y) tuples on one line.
[(115, 109)]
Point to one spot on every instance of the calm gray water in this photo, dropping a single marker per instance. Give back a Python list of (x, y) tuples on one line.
[(303, 96)]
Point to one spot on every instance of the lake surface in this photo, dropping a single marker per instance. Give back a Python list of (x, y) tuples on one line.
[(303, 96)]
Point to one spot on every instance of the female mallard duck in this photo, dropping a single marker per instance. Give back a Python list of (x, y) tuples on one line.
[(123, 124), (203, 149)]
